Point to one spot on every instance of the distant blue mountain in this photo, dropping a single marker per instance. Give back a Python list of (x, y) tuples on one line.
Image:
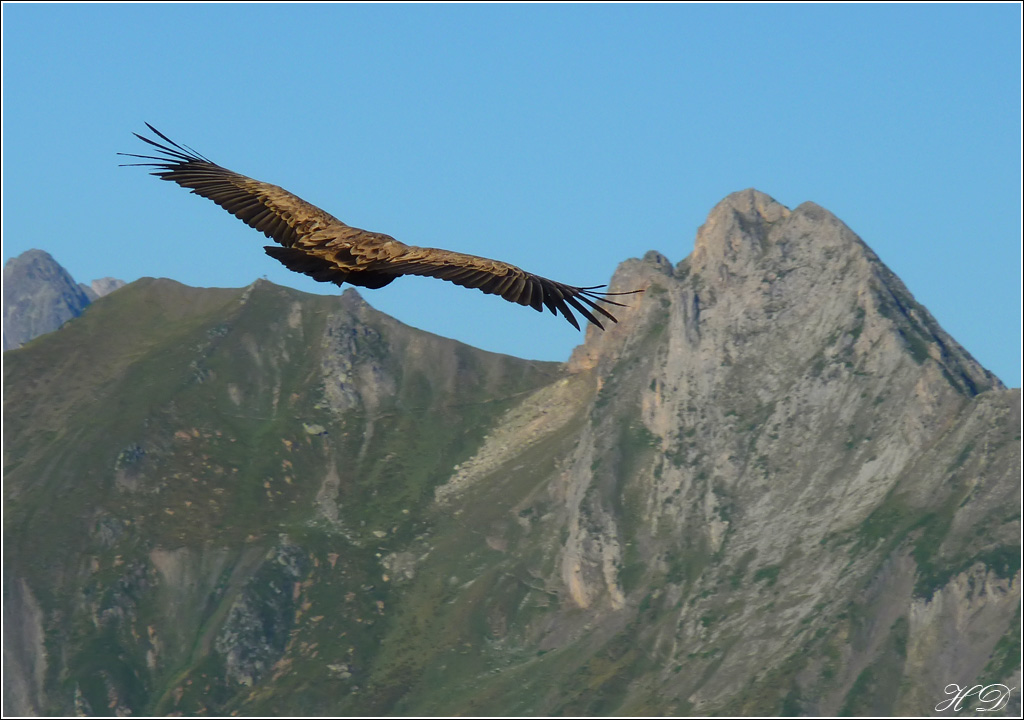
[(40, 296)]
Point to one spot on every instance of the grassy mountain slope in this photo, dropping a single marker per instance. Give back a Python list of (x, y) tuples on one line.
[(168, 446)]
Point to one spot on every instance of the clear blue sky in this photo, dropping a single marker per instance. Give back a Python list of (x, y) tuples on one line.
[(563, 138)]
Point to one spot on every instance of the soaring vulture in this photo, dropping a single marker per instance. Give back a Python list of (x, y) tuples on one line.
[(319, 245)]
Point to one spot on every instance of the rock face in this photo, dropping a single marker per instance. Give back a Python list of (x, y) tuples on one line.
[(40, 296), (776, 486), (810, 427)]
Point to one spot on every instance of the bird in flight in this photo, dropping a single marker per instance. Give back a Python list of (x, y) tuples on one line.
[(317, 244)]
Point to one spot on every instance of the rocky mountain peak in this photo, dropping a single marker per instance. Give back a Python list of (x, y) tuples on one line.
[(783, 287), (736, 230), (39, 296), (786, 381)]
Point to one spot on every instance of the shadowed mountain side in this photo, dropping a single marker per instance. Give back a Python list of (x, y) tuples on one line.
[(39, 297), (775, 487)]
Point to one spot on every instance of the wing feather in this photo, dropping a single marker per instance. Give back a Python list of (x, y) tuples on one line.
[(251, 201), (499, 278)]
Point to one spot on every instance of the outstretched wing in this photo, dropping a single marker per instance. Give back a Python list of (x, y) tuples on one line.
[(317, 244), (272, 210), (499, 278)]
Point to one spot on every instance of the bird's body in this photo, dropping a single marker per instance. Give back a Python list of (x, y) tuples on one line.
[(317, 244)]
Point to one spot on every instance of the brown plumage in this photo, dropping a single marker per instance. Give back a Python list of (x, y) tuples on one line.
[(319, 245)]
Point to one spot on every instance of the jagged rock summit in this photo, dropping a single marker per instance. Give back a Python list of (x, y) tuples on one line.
[(775, 487), (788, 280)]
